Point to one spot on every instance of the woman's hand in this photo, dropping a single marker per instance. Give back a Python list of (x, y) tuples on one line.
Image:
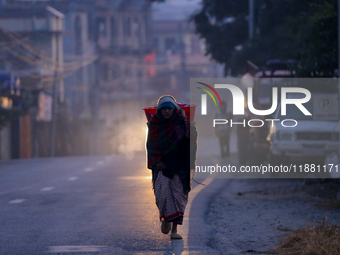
[(160, 165)]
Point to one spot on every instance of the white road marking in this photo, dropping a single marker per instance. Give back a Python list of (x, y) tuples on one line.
[(74, 248), (73, 178), (47, 189), (88, 169), (17, 201), (136, 178)]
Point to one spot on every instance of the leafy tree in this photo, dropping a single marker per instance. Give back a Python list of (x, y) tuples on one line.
[(224, 26), (304, 30), (318, 51)]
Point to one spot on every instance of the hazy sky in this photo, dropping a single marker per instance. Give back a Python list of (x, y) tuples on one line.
[(175, 9)]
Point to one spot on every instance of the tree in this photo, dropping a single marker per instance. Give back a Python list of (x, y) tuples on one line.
[(224, 26), (318, 53), (304, 30)]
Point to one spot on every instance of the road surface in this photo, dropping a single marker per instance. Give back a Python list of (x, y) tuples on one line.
[(91, 205)]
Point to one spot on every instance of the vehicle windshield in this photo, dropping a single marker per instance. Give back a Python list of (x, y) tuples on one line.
[(265, 87), (292, 112), (265, 91)]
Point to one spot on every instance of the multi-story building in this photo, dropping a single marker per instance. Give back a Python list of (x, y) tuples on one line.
[(31, 48), (123, 39), (180, 55), (100, 69)]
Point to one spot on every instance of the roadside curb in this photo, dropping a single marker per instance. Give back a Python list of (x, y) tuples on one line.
[(200, 232)]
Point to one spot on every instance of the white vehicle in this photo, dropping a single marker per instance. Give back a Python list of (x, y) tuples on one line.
[(313, 138)]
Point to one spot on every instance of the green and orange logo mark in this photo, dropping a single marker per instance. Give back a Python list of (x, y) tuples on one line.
[(209, 93)]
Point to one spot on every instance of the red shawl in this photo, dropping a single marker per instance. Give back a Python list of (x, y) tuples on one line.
[(165, 135)]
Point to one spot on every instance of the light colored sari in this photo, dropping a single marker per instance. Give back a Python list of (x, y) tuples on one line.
[(170, 198)]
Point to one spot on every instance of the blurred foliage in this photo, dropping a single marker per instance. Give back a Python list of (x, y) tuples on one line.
[(318, 53), (304, 30)]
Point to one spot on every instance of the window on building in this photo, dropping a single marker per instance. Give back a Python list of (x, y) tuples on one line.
[(127, 27), (115, 71), (146, 26), (136, 27), (101, 26), (90, 26), (2, 65), (128, 71), (155, 43), (104, 71), (78, 36), (170, 44), (113, 28)]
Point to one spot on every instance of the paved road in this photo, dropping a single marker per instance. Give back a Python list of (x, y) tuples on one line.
[(90, 205)]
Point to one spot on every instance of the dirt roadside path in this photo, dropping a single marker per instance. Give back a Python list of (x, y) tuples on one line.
[(253, 215)]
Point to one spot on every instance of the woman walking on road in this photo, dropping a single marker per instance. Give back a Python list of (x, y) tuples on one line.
[(171, 139)]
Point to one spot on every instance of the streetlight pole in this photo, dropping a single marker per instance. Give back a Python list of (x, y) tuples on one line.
[(182, 73), (338, 194), (339, 66), (339, 61), (57, 55), (251, 19), (54, 113), (96, 109), (55, 90)]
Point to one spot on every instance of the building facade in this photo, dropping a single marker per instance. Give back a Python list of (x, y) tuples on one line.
[(98, 66)]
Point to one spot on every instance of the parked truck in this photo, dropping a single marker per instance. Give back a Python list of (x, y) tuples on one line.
[(315, 136)]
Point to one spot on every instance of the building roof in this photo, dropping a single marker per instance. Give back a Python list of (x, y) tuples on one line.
[(31, 20), (175, 9), (129, 4), (29, 12), (66, 5), (114, 3), (172, 26), (55, 12)]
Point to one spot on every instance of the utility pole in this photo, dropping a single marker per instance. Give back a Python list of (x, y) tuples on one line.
[(183, 61), (57, 56), (140, 64), (338, 194), (339, 67), (339, 63), (96, 108), (57, 53), (54, 112), (251, 19)]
